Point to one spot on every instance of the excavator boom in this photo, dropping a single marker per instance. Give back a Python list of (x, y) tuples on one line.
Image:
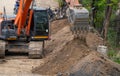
[(22, 14)]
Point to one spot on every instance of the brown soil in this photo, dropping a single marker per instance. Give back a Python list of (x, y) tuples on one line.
[(48, 3), (93, 40), (65, 58), (58, 25), (95, 64), (69, 55), (60, 35)]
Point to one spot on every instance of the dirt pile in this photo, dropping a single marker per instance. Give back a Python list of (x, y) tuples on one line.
[(58, 25), (60, 35), (74, 57), (93, 40), (65, 58), (95, 64), (47, 3)]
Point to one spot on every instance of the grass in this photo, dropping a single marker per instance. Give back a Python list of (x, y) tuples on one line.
[(117, 60), (113, 53), (60, 2)]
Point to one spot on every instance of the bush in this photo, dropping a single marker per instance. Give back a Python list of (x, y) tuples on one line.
[(112, 54)]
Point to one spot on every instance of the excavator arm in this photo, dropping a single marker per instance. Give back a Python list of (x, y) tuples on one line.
[(22, 16)]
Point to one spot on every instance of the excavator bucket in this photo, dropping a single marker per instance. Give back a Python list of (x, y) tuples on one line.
[(78, 16)]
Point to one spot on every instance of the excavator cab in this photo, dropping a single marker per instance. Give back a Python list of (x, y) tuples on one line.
[(40, 28)]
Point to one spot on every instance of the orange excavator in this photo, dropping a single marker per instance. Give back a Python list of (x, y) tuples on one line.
[(78, 16), (27, 31)]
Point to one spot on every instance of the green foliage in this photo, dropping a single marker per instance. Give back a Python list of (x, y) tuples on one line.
[(112, 37), (99, 19), (112, 54), (115, 4), (60, 2), (87, 4), (101, 4), (117, 60), (100, 10)]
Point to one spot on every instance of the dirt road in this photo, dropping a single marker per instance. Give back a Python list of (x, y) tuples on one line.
[(18, 66), (8, 4)]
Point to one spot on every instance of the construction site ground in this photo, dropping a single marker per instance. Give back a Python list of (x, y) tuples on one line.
[(64, 56)]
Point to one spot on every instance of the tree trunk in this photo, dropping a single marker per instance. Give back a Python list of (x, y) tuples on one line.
[(93, 12), (80, 1), (108, 13)]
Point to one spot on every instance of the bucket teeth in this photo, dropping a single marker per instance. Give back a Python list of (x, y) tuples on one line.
[(80, 31)]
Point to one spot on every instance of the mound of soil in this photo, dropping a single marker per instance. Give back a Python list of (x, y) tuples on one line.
[(95, 64), (60, 35), (93, 40), (58, 25), (74, 57), (48, 3), (65, 58)]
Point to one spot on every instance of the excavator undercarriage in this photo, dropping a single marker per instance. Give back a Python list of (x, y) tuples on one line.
[(33, 48)]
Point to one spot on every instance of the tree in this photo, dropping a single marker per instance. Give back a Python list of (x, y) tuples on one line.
[(93, 12), (106, 23)]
